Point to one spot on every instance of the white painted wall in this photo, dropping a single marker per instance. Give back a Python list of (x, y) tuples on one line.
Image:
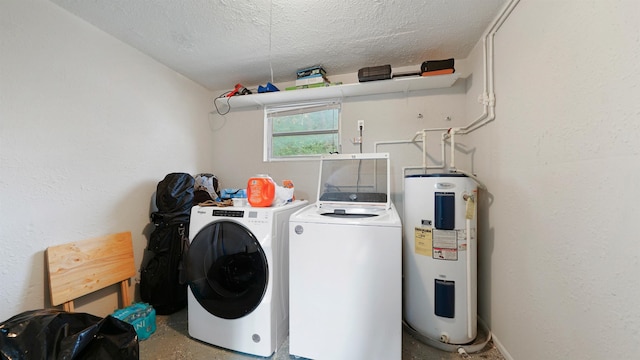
[(559, 255), (88, 126)]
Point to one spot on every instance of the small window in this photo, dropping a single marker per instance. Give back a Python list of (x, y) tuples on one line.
[(299, 131)]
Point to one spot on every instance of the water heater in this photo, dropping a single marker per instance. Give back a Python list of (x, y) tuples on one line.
[(440, 256)]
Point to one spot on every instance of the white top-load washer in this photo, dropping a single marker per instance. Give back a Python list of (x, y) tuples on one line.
[(345, 256), (238, 275)]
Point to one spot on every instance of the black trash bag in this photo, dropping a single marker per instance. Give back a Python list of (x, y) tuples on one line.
[(58, 335), (174, 199)]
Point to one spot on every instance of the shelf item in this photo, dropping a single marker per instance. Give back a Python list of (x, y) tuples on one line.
[(406, 84)]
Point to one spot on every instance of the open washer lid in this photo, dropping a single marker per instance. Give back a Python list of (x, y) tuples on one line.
[(354, 183)]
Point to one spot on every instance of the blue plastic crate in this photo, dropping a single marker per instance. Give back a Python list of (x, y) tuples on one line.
[(141, 315)]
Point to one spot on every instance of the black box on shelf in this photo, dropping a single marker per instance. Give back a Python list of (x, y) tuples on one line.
[(436, 65), (382, 72)]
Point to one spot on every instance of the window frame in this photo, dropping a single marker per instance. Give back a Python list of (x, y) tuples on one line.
[(303, 107)]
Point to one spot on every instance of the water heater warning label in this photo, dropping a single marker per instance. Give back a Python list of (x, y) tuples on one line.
[(462, 238), (445, 244), (424, 239)]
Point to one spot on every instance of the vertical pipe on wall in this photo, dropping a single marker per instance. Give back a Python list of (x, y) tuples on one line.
[(469, 299), (488, 96), (443, 139), (469, 214), (424, 148), (452, 134)]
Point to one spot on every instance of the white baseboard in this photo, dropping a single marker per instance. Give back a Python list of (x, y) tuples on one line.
[(500, 347), (496, 341)]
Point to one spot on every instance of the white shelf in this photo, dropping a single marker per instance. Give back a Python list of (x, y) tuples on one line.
[(406, 84)]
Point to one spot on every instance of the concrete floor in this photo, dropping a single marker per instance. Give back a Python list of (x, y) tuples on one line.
[(171, 341)]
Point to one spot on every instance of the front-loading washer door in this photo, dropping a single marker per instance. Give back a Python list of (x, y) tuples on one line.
[(227, 269)]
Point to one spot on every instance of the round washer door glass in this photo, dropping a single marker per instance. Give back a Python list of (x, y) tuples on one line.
[(227, 269)]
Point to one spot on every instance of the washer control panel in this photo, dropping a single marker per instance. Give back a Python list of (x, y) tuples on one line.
[(252, 216), (228, 213)]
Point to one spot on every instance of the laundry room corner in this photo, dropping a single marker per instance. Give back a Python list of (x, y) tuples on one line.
[(89, 128)]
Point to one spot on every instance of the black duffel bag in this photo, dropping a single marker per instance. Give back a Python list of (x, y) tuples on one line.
[(160, 278)]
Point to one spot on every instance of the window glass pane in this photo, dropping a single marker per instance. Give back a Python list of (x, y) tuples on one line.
[(318, 120), (304, 144), (304, 130)]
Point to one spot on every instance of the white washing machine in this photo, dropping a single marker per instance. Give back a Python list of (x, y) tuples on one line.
[(346, 265), (237, 269)]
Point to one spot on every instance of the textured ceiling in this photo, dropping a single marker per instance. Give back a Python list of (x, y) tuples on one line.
[(219, 43)]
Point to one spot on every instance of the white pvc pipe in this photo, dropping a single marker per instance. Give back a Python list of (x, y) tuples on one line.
[(488, 99), (424, 148), (452, 134), (422, 132), (391, 142), (443, 138), (469, 299), (488, 95), (488, 114)]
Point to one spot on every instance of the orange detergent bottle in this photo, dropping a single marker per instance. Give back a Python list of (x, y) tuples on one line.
[(261, 190)]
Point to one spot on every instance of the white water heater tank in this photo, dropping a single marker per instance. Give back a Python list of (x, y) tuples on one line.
[(440, 256)]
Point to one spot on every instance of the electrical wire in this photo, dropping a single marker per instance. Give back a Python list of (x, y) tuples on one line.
[(228, 105), (270, 36)]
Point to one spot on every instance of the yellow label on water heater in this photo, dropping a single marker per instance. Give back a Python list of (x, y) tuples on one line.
[(471, 208), (423, 240)]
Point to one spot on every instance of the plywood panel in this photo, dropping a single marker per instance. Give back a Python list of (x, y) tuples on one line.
[(79, 268)]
